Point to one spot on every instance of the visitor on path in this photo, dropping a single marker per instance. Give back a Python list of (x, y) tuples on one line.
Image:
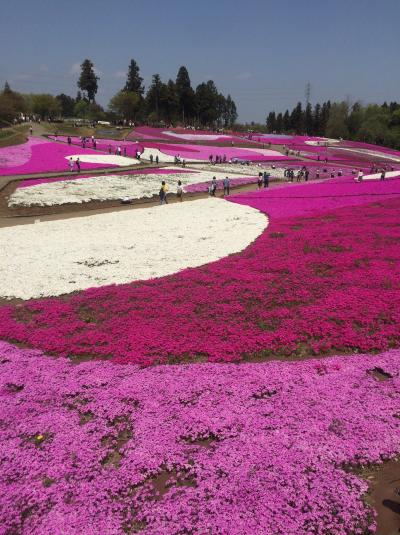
[(227, 185), (266, 179), (71, 164), (151, 158), (306, 175), (78, 165), (213, 186), (165, 188), (260, 180), (69, 140), (179, 191), (317, 174), (360, 176), (125, 152), (156, 158), (162, 193), (30, 130), (210, 158), (383, 175), (109, 149)]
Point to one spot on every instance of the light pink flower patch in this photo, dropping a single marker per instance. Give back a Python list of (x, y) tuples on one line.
[(17, 155), (220, 449)]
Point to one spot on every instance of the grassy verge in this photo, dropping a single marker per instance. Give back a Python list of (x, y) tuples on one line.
[(13, 136)]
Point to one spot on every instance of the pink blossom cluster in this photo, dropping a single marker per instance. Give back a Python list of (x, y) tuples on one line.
[(40, 157), (148, 132), (323, 277), (204, 448), (102, 144)]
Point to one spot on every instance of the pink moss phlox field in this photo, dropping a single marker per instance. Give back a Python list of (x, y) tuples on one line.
[(102, 144), (323, 277), (44, 156), (17, 155), (207, 448)]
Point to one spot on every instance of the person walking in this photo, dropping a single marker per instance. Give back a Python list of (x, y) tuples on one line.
[(71, 164), (266, 179), (151, 158), (179, 191), (360, 176), (383, 174), (260, 180), (109, 149), (306, 175), (78, 165), (125, 152), (69, 140), (227, 186), (162, 194), (31, 130), (213, 186), (165, 188)]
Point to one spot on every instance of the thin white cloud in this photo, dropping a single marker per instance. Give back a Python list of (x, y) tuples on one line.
[(43, 68), (243, 76), (75, 68), (23, 76)]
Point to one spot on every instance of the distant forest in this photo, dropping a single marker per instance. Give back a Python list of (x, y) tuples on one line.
[(372, 123), (175, 101)]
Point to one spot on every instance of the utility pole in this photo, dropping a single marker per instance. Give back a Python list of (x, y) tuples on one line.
[(308, 93)]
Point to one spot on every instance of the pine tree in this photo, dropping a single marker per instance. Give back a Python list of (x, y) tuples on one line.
[(308, 120), (88, 80), (185, 94), (286, 122), (271, 122), (7, 89), (134, 81)]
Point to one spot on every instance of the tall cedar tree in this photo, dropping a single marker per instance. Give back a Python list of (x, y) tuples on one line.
[(185, 94), (88, 80), (134, 82)]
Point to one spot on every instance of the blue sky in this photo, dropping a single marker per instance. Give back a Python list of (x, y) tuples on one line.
[(263, 52)]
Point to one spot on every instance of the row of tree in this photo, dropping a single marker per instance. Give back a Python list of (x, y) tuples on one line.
[(171, 102), (372, 123)]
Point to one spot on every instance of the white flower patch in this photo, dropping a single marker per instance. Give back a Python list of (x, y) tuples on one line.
[(107, 187), (377, 176), (111, 159), (58, 257), (235, 169), (321, 142)]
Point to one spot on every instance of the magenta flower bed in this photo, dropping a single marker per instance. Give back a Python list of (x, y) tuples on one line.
[(45, 156), (203, 152), (323, 277), (102, 144), (147, 133), (219, 449)]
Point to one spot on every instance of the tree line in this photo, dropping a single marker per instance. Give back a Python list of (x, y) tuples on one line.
[(372, 123), (175, 101)]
